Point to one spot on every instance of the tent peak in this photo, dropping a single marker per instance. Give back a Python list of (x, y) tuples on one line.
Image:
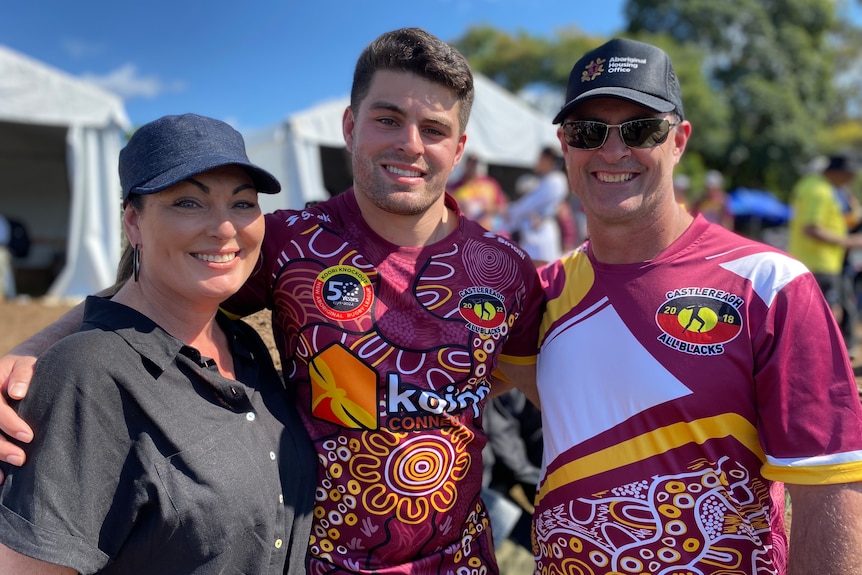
[(33, 92)]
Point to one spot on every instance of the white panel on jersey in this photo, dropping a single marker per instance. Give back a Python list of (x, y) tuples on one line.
[(769, 272), (586, 390)]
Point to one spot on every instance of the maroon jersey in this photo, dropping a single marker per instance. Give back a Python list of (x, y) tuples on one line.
[(389, 352), (677, 395)]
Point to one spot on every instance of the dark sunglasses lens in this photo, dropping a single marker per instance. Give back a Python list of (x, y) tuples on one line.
[(584, 134), (646, 133)]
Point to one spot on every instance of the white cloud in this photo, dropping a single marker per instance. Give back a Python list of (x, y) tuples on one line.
[(127, 83)]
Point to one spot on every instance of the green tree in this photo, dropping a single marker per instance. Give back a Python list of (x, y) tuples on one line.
[(521, 60), (772, 62)]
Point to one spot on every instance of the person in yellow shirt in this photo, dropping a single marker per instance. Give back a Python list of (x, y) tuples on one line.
[(818, 233)]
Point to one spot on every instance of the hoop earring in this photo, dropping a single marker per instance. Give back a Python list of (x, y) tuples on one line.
[(136, 261)]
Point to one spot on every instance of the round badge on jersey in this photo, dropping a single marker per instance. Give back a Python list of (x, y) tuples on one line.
[(700, 320), (483, 310), (343, 292)]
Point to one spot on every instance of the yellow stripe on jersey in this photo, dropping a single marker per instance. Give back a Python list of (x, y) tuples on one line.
[(653, 443), (815, 475), (580, 277), (515, 360)]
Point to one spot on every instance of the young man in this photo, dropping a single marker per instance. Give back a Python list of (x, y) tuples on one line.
[(685, 373), (390, 312)]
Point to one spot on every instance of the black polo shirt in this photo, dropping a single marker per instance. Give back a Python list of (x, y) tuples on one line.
[(147, 460)]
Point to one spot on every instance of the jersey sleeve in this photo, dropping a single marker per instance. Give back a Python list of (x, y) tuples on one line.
[(810, 423), (522, 344)]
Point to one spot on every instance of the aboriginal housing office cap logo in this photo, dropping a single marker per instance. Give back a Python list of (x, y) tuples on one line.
[(593, 70)]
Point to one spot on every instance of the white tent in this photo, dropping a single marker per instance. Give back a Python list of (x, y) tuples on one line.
[(503, 130), (59, 142)]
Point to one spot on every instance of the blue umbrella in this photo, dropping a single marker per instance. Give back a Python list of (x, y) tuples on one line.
[(745, 202)]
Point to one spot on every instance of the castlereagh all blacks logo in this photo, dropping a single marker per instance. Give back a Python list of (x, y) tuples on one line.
[(483, 309), (699, 321)]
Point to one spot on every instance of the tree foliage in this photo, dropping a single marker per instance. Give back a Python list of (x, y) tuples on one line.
[(773, 62), (518, 61)]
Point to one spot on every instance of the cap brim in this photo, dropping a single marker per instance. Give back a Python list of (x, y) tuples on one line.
[(264, 182), (652, 102)]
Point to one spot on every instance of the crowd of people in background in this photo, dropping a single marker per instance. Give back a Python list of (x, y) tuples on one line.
[(479, 196), (541, 213)]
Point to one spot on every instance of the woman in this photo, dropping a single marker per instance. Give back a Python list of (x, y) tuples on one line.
[(166, 441)]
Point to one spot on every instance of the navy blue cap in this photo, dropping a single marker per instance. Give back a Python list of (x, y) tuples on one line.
[(627, 69), (171, 149), (843, 162)]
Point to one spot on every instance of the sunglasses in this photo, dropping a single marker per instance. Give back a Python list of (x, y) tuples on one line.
[(643, 133)]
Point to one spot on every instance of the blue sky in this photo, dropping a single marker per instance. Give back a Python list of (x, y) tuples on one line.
[(255, 62)]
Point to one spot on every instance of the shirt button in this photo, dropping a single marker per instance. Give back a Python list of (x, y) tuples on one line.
[(272, 455), (249, 416), (278, 543), (280, 498), (233, 390)]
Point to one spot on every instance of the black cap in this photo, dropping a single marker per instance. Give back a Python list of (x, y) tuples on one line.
[(621, 68), (171, 149), (843, 162)]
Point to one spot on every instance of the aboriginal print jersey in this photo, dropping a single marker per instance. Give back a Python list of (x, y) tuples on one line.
[(389, 351), (677, 394)]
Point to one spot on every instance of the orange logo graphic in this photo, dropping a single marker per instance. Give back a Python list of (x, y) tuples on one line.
[(344, 390)]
